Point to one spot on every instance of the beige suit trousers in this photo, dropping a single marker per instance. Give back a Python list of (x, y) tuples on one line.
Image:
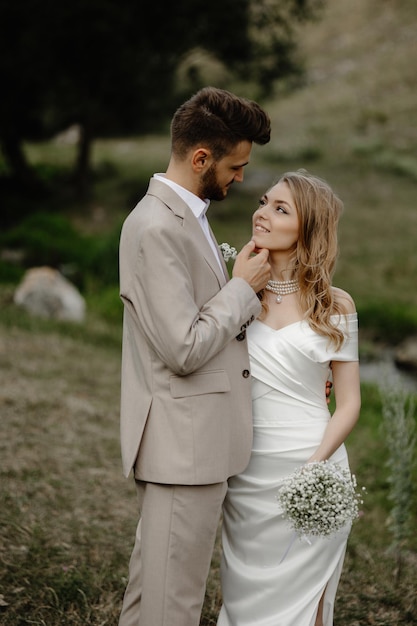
[(171, 558)]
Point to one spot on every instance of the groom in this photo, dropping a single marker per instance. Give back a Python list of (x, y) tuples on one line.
[(186, 422)]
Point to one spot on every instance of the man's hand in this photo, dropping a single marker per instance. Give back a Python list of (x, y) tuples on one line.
[(329, 386), (254, 269)]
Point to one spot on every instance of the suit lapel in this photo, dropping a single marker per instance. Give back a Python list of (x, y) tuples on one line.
[(192, 223), (183, 211), (222, 261)]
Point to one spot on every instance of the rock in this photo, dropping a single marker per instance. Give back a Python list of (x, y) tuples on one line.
[(405, 355), (70, 136), (46, 293)]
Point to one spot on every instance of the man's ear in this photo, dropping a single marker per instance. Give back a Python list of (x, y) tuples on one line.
[(201, 158)]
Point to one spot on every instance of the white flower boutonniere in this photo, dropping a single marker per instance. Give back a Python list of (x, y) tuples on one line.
[(228, 252), (319, 499)]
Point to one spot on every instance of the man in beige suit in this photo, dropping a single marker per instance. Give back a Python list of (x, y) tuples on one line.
[(186, 422)]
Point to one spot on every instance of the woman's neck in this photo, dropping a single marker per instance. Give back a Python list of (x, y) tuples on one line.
[(281, 271)]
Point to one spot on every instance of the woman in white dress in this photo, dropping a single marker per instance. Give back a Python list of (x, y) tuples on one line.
[(306, 326)]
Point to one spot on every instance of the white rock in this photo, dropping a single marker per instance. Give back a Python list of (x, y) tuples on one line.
[(406, 354), (46, 293)]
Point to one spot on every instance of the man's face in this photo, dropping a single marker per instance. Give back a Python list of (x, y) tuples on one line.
[(217, 179)]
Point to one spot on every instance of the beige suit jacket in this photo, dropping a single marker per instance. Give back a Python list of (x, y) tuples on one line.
[(185, 398)]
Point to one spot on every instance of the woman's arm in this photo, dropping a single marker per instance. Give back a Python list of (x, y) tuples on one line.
[(346, 385)]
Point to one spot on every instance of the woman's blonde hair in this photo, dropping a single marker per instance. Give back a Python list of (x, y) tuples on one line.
[(314, 259)]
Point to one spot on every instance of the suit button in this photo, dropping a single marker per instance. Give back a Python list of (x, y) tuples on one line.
[(246, 373), (240, 336)]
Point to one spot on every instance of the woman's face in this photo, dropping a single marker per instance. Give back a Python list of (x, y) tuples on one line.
[(275, 223)]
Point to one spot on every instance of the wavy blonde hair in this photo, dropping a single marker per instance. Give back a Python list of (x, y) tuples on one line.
[(314, 260)]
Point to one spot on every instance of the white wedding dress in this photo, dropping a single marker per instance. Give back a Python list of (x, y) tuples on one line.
[(269, 576)]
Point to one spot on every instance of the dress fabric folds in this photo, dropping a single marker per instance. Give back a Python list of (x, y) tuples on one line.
[(270, 577)]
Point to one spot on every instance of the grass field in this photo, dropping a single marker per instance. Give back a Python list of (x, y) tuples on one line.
[(67, 517)]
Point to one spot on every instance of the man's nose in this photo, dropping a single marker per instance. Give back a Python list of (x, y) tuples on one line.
[(239, 176)]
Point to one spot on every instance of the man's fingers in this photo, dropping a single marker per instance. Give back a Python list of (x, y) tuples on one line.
[(249, 248), (263, 252)]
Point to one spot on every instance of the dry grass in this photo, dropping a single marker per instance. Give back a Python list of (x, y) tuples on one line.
[(67, 517)]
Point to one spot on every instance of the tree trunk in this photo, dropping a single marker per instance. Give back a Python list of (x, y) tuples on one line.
[(82, 167), (15, 157)]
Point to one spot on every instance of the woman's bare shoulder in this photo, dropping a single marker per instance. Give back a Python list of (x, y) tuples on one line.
[(344, 299)]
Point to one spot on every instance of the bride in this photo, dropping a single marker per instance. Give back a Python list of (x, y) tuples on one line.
[(306, 326)]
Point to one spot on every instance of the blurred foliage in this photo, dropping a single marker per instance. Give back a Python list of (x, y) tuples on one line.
[(398, 411), (387, 322), (52, 240), (111, 68), (46, 239)]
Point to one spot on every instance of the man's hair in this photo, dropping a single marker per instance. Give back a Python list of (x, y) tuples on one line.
[(218, 120)]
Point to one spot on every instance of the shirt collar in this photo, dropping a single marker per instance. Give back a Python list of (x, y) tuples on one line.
[(197, 205)]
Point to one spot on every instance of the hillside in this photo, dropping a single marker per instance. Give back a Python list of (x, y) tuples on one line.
[(354, 122), (361, 79)]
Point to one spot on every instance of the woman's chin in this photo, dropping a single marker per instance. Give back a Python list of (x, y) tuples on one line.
[(258, 243)]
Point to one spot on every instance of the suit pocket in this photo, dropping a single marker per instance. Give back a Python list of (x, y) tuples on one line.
[(200, 383)]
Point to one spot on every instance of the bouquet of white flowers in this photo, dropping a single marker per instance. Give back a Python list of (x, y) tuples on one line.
[(228, 252), (319, 498)]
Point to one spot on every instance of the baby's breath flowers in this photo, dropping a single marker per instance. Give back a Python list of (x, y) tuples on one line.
[(319, 498), (228, 252)]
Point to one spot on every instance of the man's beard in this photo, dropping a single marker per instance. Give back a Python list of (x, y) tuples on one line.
[(209, 185)]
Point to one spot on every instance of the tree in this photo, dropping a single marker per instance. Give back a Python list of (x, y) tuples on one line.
[(110, 67), (24, 69)]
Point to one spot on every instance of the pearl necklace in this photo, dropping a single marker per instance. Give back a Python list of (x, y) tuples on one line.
[(282, 287)]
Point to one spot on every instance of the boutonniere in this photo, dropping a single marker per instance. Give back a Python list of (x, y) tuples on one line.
[(228, 252)]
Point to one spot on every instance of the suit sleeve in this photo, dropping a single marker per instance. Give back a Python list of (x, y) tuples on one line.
[(158, 289)]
